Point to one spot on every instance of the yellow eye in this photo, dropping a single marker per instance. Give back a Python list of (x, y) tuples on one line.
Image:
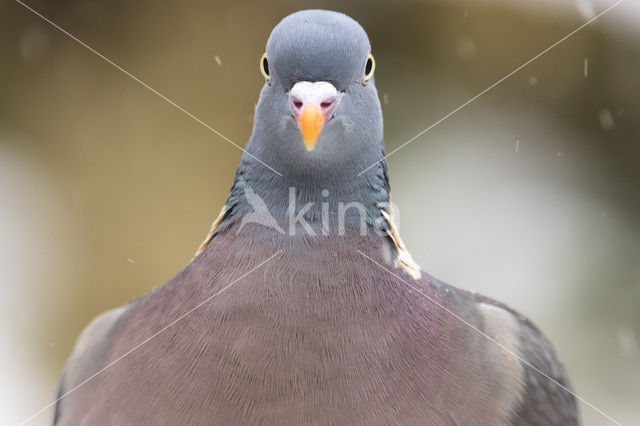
[(369, 67), (264, 66)]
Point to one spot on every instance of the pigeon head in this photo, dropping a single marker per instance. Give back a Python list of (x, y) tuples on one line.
[(318, 111)]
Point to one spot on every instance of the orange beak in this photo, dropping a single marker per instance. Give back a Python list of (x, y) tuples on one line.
[(310, 122)]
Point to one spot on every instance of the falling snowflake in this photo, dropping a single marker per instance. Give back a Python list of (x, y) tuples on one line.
[(606, 119), (586, 67)]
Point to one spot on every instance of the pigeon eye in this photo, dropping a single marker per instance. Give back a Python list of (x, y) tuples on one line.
[(369, 67), (264, 66)]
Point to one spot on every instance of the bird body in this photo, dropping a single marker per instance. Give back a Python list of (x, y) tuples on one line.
[(317, 314), (323, 339)]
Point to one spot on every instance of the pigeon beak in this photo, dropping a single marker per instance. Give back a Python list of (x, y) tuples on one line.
[(310, 123), (312, 105)]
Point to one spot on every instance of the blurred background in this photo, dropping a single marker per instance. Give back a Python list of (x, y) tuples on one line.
[(530, 194)]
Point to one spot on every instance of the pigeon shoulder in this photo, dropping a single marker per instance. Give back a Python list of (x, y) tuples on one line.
[(88, 354), (545, 400), (518, 353)]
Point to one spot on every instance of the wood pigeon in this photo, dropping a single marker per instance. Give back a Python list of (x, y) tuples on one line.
[(302, 305)]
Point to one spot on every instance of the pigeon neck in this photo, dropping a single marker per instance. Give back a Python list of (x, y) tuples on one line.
[(321, 202)]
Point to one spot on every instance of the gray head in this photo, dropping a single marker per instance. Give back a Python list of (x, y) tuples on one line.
[(318, 116)]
